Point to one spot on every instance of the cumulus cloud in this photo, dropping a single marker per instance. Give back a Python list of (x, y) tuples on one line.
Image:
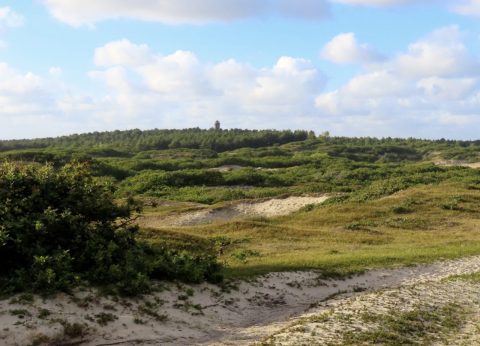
[(442, 53), (431, 89), (344, 49), (25, 100), (447, 88), (181, 85), (36, 106), (468, 8), (376, 2), (55, 71), (80, 12), (122, 52), (433, 83), (136, 87), (9, 18), (463, 7)]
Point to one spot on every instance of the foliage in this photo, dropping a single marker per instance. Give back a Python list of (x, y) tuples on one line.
[(61, 227), (108, 142), (350, 230)]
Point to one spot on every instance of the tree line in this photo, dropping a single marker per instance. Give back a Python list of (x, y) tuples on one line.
[(138, 140)]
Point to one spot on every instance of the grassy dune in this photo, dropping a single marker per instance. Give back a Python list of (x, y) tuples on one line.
[(420, 224), (394, 201)]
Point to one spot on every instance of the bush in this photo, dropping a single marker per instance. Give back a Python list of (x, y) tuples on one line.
[(60, 227)]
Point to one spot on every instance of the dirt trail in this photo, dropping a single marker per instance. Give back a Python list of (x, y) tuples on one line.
[(269, 208), (205, 314)]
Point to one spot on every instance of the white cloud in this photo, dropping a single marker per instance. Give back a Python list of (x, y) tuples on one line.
[(178, 75), (432, 89), (467, 7), (458, 120), (134, 86), (9, 18), (344, 49), (306, 9), (23, 97), (80, 12), (35, 106), (375, 2), (442, 53), (89, 12), (121, 52), (13, 83), (180, 84), (447, 89), (55, 71)]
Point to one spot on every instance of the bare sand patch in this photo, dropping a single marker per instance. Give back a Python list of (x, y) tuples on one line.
[(236, 314), (227, 168), (458, 163), (265, 208), (337, 320)]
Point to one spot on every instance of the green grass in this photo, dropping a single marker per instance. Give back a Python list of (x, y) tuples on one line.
[(393, 206), (323, 238), (423, 325), (473, 277)]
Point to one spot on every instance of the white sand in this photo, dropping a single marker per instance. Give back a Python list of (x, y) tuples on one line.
[(249, 311), (227, 168), (454, 163), (267, 208), (327, 323)]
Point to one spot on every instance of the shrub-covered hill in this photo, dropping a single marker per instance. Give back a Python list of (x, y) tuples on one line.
[(210, 166), (61, 223)]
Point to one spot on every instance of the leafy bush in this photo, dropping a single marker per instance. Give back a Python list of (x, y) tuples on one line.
[(151, 181), (61, 227)]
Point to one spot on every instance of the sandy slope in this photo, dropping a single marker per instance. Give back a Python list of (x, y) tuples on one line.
[(235, 315), (330, 321), (268, 208), (453, 163)]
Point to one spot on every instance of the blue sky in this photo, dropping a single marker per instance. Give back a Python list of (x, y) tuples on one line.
[(352, 67)]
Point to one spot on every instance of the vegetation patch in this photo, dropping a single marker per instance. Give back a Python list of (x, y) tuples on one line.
[(423, 325), (62, 227)]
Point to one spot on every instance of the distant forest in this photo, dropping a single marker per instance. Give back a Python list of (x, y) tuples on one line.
[(137, 140)]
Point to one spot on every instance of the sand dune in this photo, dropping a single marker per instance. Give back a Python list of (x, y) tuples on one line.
[(268, 208), (237, 314)]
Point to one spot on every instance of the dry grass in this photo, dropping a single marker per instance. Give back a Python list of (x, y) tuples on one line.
[(418, 225)]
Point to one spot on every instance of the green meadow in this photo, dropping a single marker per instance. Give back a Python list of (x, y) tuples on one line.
[(393, 202)]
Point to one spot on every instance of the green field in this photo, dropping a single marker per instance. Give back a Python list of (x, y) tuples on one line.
[(393, 201)]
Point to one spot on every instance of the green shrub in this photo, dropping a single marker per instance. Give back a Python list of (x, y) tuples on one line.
[(186, 266), (60, 227)]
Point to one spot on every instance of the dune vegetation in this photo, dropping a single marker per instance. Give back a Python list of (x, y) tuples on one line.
[(391, 201)]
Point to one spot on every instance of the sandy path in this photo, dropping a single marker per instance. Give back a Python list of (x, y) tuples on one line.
[(204, 314), (268, 208)]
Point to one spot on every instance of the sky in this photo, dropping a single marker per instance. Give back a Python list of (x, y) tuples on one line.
[(398, 68)]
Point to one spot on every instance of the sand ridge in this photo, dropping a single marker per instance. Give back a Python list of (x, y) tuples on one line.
[(332, 320), (265, 208), (238, 314)]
